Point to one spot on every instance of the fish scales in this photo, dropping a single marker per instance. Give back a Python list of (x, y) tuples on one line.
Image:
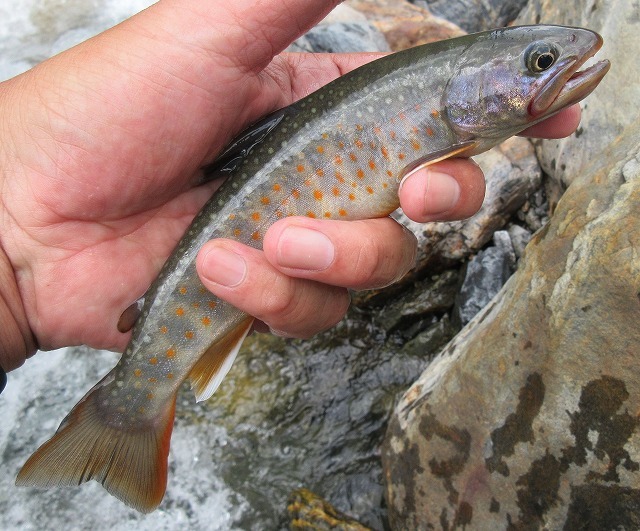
[(340, 153)]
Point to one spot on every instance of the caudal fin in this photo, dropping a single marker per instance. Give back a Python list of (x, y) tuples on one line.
[(131, 464)]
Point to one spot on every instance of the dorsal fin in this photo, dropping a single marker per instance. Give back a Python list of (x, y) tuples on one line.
[(242, 145), (214, 364)]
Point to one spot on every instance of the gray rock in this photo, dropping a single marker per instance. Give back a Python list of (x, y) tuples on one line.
[(519, 239), (342, 37), (486, 273), (475, 15)]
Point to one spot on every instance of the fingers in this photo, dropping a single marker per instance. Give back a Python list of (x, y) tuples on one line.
[(449, 190), (558, 126), (298, 284)]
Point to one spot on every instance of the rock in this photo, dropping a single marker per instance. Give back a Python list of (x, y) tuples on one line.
[(341, 37), (486, 273), (549, 368), (475, 15), (519, 239), (403, 24), (309, 512), (607, 111)]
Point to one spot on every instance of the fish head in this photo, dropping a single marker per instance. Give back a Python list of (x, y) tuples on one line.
[(506, 80)]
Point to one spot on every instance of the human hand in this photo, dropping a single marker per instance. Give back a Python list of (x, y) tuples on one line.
[(100, 149)]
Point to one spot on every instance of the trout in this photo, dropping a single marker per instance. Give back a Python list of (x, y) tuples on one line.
[(339, 153)]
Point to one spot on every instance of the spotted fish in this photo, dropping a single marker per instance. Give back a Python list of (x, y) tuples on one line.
[(340, 153)]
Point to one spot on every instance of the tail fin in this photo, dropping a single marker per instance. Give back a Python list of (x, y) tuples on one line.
[(130, 464)]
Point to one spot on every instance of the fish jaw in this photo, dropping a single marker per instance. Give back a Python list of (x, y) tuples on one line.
[(569, 85)]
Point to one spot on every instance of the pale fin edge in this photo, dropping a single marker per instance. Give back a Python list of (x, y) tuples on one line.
[(130, 465), (209, 371), (456, 150)]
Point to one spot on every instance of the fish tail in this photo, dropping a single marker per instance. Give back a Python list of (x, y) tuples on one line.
[(131, 464)]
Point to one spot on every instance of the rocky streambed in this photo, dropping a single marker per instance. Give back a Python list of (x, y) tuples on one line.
[(525, 419)]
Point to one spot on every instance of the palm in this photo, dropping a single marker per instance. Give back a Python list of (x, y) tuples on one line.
[(110, 188)]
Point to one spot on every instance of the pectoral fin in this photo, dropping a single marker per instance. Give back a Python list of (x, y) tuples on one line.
[(213, 366), (456, 150)]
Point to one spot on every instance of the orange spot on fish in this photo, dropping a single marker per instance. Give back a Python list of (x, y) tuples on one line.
[(196, 305), (279, 214), (338, 159), (171, 352), (385, 185), (401, 156), (206, 321), (295, 193), (389, 173), (372, 145), (307, 182), (359, 127), (265, 200), (415, 144), (339, 177), (385, 152), (418, 107), (276, 188), (430, 131), (336, 191), (311, 214), (170, 375), (300, 168), (163, 329), (212, 304), (153, 361), (180, 312), (320, 149), (149, 396), (359, 144), (188, 334), (325, 135), (137, 373), (255, 216), (237, 232), (141, 409), (414, 129), (183, 290), (255, 236), (342, 212), (341, 144), (317, 194), (203, 290), (232, 217), (372, 164), (352, 197), (360, 173), (320, 172), (402, 116), (369, 189), (377, 130), (327, 214), (435, 114), (152, 380), (353, 157)]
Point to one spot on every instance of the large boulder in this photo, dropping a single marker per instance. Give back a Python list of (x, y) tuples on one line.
[(529, 418)]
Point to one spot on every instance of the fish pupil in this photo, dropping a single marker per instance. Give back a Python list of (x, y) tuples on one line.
[(544, 61)]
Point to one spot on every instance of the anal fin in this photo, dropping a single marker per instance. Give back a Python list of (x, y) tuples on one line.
[(214, 364)]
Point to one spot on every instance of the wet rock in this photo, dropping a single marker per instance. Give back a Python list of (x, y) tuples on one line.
[(486, 273), (405, 25), (475, 15), (309, 512), (342, 37), (528, 418)]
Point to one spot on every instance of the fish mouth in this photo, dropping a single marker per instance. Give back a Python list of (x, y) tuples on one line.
[(567, 84)]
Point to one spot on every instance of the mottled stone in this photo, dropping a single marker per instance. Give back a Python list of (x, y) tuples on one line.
[(528, 419), (405, 25), (341, 37), (475, 15)]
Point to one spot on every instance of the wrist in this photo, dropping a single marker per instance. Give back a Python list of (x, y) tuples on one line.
[(17, 342)]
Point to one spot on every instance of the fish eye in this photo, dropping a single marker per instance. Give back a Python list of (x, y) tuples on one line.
[(540, 56)]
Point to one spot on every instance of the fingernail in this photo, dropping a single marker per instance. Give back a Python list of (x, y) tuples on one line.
[(442, 195), (224, 267), (302, 248)]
